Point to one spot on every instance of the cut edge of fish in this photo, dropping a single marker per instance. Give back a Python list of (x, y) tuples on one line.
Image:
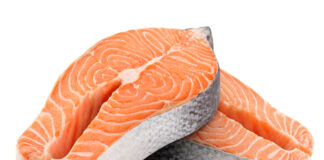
[(159, 131), (168, 126)]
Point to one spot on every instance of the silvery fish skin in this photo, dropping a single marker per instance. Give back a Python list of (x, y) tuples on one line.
[(187, 150), (161, 130)]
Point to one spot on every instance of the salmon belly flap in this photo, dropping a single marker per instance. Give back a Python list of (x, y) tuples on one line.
[(115, 86), (247, 126)]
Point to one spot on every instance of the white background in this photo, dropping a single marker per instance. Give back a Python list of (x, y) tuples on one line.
[(276, 47)]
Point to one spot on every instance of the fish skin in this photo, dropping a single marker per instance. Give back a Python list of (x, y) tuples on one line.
[(62, 120), (189, 150)]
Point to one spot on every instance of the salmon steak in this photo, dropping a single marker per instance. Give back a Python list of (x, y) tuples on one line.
[(244, 127), (127, 96)]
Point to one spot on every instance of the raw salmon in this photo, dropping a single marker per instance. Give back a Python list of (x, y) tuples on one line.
[(246, 126), (127, 96)]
